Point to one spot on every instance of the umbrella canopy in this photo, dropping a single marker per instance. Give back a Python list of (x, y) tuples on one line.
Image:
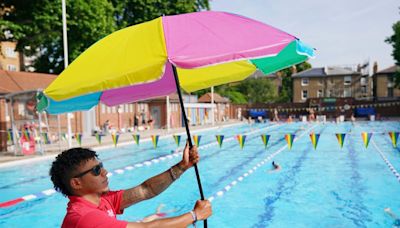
[(207, 48)]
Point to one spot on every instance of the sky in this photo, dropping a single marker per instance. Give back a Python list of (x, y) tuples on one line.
[(344, 32)]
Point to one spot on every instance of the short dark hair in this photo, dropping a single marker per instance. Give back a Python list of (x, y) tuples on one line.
[(62, 169)]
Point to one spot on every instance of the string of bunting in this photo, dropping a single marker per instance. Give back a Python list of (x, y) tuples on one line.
[(328, 108), (265, 138)]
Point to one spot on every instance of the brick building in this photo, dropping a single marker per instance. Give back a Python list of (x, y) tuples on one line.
[(335, 82), (385, 89)]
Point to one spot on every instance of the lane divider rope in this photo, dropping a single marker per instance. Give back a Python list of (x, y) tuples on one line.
[(391, 167)]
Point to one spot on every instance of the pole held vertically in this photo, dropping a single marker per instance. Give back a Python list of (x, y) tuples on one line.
[(178, 89)]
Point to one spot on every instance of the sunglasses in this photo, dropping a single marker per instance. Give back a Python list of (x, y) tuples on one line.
[(96, 170)]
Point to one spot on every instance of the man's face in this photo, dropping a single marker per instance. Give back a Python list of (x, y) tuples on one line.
[(90, 182)]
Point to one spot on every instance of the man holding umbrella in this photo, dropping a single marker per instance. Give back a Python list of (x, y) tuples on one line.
[(78, 174)]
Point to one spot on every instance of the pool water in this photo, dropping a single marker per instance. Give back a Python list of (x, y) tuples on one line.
[(326, 187)]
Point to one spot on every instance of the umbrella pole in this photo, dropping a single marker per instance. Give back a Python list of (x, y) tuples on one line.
[(178, 89)]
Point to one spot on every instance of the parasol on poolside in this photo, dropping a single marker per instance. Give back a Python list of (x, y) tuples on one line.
[(193, 51)]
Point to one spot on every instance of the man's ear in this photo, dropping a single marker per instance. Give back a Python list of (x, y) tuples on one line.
[(75, 183)]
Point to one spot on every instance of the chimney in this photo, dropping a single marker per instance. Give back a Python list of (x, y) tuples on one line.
[(375, 68)]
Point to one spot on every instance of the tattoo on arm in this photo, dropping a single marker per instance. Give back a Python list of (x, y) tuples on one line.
[(151, 187)]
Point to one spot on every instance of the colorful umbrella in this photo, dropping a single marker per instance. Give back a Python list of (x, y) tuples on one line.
[(140, 62)]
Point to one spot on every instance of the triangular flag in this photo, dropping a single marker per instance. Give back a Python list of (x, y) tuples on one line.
[(136, 138), (366, 138), (78, 138), (196, 139), (241, 139), (10, 136), (340, 137), (45, 138), (314, 139), (64, 136), (289, 139), (26, 134), (98, 138), (177, 139), (265, 139), (393, 136), (220, 139), (115, 139), (154, 138)]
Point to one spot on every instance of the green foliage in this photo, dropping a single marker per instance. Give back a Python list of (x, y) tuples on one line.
[(130, 12), (37, 24), (394, 40), (287, 82)]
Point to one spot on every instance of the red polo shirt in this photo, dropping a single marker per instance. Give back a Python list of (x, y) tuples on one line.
[(82, 213)]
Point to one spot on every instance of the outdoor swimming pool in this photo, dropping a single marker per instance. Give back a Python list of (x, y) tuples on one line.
[(326, 187)]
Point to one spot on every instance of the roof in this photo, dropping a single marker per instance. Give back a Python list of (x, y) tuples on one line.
[(206, 98), (389, 70), (18, 81), (325, 71)]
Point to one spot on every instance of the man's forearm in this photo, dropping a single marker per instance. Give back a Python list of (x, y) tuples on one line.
[(174, 222), (152, 186), (162, 181)]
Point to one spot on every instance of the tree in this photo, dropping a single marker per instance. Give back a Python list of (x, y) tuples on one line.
[(130, 12), (394, 40), (37, 24), (259, 90), (286, 93)]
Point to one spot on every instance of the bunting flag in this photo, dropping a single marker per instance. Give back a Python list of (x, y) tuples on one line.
[(196, 139), (241, 139), (64, 136), (314, 139), (366, 138), (220, 139), (154, 138), (78, 138), (393, 136), (45, 138), (115, 138), (98, 138), (177, 139), (340, 137), (26, 134), (265, 139), (289, 139), (10, 136), (136, 138)]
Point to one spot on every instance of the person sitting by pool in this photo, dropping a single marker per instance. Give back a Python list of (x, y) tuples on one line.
[(78, 174), (396, 222), (275, 167), (158, 214)]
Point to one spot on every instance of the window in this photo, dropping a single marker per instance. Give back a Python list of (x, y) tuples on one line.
[(304, 94), (304, 81), (347, 80), (363, 89), (319, 93), (9, 51), (113, 109), (103, 109), (347, 92), (108, 109), (390, 81), (390, 92), (11, 67), (363, 81), (320, 82), (21, 109)]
